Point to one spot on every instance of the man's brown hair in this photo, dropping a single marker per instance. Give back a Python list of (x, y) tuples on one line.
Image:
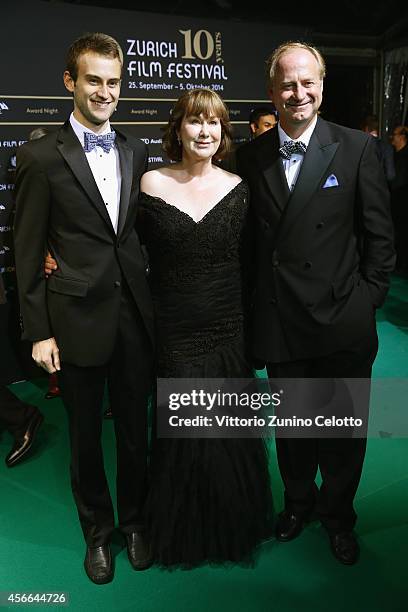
[(94, 42)]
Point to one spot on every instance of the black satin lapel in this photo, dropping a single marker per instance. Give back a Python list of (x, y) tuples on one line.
[(71, 150), (316, 162), (270, 163), (277, 183), (126, 169)]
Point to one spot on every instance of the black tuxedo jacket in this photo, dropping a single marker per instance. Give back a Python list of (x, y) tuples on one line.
[(324, 254), (58, 206)]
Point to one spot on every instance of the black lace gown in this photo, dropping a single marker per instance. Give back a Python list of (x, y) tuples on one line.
[(209, 499)]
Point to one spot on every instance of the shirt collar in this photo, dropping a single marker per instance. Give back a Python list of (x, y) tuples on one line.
[(80, 129), (305, 137)]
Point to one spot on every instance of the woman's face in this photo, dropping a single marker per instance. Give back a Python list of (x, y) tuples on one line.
[(200, 136)]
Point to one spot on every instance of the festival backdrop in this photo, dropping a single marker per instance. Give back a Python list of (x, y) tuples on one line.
[(163, 56)]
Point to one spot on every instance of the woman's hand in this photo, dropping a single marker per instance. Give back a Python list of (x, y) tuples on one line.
[(50, 265)]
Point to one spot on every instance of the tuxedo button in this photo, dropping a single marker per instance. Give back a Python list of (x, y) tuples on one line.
[(320, 225), (308, 265), (116, 284)]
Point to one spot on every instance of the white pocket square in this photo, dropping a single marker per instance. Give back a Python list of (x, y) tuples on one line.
[(331, 181)]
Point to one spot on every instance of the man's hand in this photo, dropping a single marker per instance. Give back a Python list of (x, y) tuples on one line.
[(50, 265), (46, 354)]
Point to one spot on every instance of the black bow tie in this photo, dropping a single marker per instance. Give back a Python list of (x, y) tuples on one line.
[(290, 147), (105, 141)]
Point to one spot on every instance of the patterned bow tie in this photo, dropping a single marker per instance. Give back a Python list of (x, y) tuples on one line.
[(106, 141), (290, 147)]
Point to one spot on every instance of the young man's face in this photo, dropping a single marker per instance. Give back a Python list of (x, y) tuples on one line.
[(96, 90)]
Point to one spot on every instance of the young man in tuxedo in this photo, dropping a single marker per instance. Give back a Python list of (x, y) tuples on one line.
[(76, 195), (325, 252)]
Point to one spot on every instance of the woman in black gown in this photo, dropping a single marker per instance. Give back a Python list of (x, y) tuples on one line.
[(209, 499)]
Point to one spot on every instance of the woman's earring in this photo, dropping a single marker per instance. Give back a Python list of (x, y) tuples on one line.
[(179, 140)]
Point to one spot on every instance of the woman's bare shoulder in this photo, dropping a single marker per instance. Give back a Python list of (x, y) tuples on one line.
[(154, 181), (151, 179), (231, 179)]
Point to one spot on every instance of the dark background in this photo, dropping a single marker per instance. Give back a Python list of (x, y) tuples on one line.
[(350, 17), (353, 34)]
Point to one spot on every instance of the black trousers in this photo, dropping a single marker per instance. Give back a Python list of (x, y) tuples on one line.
[(14, 414), (340, 460), (128, 376)]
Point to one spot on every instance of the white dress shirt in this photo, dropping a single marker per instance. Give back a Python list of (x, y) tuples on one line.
[(292, 165), (105, 168)]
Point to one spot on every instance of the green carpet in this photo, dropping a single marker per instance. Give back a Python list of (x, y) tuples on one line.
[(41, 546)]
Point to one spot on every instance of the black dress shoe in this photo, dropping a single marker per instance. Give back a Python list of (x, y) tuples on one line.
[(52, 394), (98, 564), (344, 547), (22, 444), (138, 551), (288, 526)]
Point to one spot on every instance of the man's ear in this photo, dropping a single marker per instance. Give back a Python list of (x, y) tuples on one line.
[(253, 127), (69, 81)]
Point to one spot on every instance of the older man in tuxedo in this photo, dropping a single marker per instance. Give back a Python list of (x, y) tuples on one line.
[(324, 241), (76, 195)]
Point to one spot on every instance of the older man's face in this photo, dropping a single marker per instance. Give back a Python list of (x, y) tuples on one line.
[(296, 90)]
